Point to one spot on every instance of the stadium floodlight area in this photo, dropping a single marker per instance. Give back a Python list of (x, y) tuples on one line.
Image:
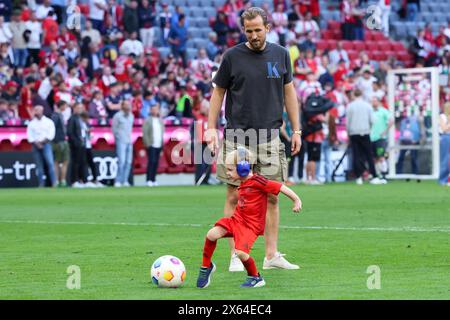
[(413, 97)]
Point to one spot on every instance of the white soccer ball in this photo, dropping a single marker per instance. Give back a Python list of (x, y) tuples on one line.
[(168, 272)]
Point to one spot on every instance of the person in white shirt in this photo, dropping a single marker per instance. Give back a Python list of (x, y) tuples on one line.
[(5, 32), (72, 80), (280, 23), (132, 46), (339, 54), (385, 7), (273, 37), (40, 132), (153, 137), (202, 59), (310, 86), (43, 9), (34, 27), (365, 84), (306, 25), (97, 10), (92, 33), (107, 77)]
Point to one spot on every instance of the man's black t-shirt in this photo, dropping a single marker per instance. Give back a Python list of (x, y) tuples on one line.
[(255, 86)]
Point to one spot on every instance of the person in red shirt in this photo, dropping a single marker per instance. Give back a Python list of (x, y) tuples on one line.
[(248, 220), (26, 105), (50, 28)]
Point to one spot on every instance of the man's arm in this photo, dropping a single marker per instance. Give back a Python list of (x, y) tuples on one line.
[(292, 109), (215, 104)]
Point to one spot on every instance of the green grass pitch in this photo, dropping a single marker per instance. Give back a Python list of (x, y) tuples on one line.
[(114, 235)]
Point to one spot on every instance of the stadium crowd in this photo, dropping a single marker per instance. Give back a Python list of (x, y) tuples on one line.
[(109, 68)]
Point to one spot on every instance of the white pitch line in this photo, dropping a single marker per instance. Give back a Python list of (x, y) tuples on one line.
[(193, 225)]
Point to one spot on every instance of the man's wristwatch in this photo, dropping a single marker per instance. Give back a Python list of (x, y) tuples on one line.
[(299, 132)]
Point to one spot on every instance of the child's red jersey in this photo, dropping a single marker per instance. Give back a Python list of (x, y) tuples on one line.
[(252, 202)]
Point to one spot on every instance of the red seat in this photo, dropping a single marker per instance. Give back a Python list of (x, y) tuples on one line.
[(334, 25), (378, 36), (404, 56), (371, 46), (352, 54), (84, 8), (368, 35), (337, 34), (359, 45), (397, 46), (385, 45), (382, 56), (347, 45), (6, 145), (375, 55), (24, 145), (331, 44), (390, 54), (327, 35), (102, 144), (321, 45)]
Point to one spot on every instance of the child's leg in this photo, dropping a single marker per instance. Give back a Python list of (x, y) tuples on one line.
[(210, 244), (248, 263)]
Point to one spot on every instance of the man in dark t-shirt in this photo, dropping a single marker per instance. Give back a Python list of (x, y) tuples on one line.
[(257, 79), (60, 145)]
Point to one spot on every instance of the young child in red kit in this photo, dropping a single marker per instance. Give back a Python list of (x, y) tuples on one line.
[(248, 220)]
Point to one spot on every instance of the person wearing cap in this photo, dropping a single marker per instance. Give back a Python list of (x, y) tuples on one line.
[(10, 91), (40, 132)]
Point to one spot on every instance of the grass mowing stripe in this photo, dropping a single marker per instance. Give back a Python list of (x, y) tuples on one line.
[(381, 229)]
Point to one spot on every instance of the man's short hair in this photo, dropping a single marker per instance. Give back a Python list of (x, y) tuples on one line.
[(252, 13), (357, 93), (61, 103)]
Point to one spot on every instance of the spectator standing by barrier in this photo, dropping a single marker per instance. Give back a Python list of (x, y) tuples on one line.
[(383, 121), (76, 136), (360, 119), (60, 145), (88, 152), (153, 137), (122, 126), (40, 132)]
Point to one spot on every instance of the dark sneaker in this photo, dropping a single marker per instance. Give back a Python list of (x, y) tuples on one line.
[(204, 277), (253, 282)]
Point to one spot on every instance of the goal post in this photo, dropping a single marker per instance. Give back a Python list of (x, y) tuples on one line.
[(413, 99)]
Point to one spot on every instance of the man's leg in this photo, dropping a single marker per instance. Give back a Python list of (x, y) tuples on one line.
[(275, 153), (39, 165), (272, 221), (48, 158)]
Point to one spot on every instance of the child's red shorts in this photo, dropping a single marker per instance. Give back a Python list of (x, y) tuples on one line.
[(244, 238)]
